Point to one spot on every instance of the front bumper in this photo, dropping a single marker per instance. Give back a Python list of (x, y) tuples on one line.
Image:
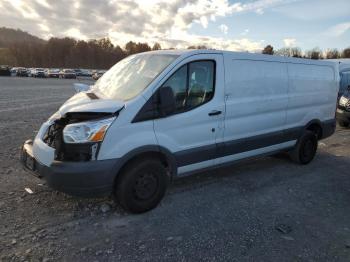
[(343, 115), (88, 179)]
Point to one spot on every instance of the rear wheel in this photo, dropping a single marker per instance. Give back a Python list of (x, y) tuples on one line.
[(141, 185), (305, 149), (343, 124)]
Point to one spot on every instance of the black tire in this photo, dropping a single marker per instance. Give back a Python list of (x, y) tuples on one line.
[(141, 185), (343, 124), (305, 149)]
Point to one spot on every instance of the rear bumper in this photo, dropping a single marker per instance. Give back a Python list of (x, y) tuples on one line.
[(343, 115), (87, 179)]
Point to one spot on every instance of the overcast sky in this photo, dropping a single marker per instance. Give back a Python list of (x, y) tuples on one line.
[(222, 24)]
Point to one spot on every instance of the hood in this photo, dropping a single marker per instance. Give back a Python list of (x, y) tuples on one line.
[(81, 102)]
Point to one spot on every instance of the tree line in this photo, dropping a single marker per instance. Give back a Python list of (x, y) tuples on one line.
[(315, 53), (18, 48), (70, 53)]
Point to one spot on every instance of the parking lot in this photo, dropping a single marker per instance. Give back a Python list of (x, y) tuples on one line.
[(268, 209)]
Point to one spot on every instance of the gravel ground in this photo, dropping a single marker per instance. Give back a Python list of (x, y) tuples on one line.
[(268, 209)]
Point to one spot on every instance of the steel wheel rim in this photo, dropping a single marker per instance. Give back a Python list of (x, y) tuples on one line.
[(145, 186)]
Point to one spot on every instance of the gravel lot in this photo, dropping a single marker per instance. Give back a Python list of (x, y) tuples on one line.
[(268, 209)]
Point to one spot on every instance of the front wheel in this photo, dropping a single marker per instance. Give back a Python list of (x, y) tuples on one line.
[(305, 149), (141, 185)]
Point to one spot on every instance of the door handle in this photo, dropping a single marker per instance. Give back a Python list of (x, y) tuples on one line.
[(214, 113)]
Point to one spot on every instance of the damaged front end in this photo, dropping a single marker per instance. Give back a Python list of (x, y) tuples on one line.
[(77, 136), (65, 146)]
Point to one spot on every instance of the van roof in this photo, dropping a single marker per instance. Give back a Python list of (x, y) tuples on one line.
[(245, 55)]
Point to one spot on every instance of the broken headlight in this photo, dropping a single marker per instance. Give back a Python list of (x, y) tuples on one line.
[(84, 132), (343, 100)]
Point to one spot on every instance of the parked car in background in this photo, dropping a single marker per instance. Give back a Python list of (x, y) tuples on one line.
[(5, 70), (68, 73), (13, 71), (39, 72), (21, 71), (98, 74), (344, 81), (86, 72), (30, 71), (78, 72), (53, 73), (343, 105), (343, 109)]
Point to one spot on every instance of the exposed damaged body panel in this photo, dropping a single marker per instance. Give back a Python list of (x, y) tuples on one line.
[(73, 152), (82, 107)]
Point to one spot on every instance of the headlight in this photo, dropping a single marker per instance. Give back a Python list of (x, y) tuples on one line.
[(343, 100), (83, 132)]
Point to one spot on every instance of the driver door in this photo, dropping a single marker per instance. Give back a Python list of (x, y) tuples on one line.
[(193, 131)]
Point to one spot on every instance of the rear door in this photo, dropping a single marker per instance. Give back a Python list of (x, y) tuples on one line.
[(193, 132)]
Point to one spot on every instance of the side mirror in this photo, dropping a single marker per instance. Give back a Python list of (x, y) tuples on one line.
[(79, 87), (167, 103)]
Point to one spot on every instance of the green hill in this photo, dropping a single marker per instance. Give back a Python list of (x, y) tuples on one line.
[(9, 36)]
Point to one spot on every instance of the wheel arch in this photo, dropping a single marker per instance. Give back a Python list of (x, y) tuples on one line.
[(152, 151), (315, 126)]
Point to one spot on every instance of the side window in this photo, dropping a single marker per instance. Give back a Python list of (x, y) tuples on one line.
[(193, 84), (201, 83), (178, 83)]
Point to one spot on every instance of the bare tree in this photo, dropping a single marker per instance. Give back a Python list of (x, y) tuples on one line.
[(296, 52), (332, 53), (346, 53), (314, 53), (268, 50), (142, 47), (156, 46), (284, 51), (197, 47), (130, 47)]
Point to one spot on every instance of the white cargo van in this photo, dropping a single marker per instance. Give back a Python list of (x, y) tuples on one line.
[(159, 115)]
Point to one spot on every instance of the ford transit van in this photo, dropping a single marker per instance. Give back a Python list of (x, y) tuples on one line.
[(160, 115)]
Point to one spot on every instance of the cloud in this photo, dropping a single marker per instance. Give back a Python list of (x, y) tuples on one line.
[(75, 33), (223, 28), (338, 29), (164, 21), (245, 32), (182, 39), (290, 42)]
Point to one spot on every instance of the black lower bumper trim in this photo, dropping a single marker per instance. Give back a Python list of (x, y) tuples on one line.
[(343, 115), (87, 179)]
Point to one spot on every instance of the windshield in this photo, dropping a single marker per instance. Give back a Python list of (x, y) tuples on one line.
[(132, 75)]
